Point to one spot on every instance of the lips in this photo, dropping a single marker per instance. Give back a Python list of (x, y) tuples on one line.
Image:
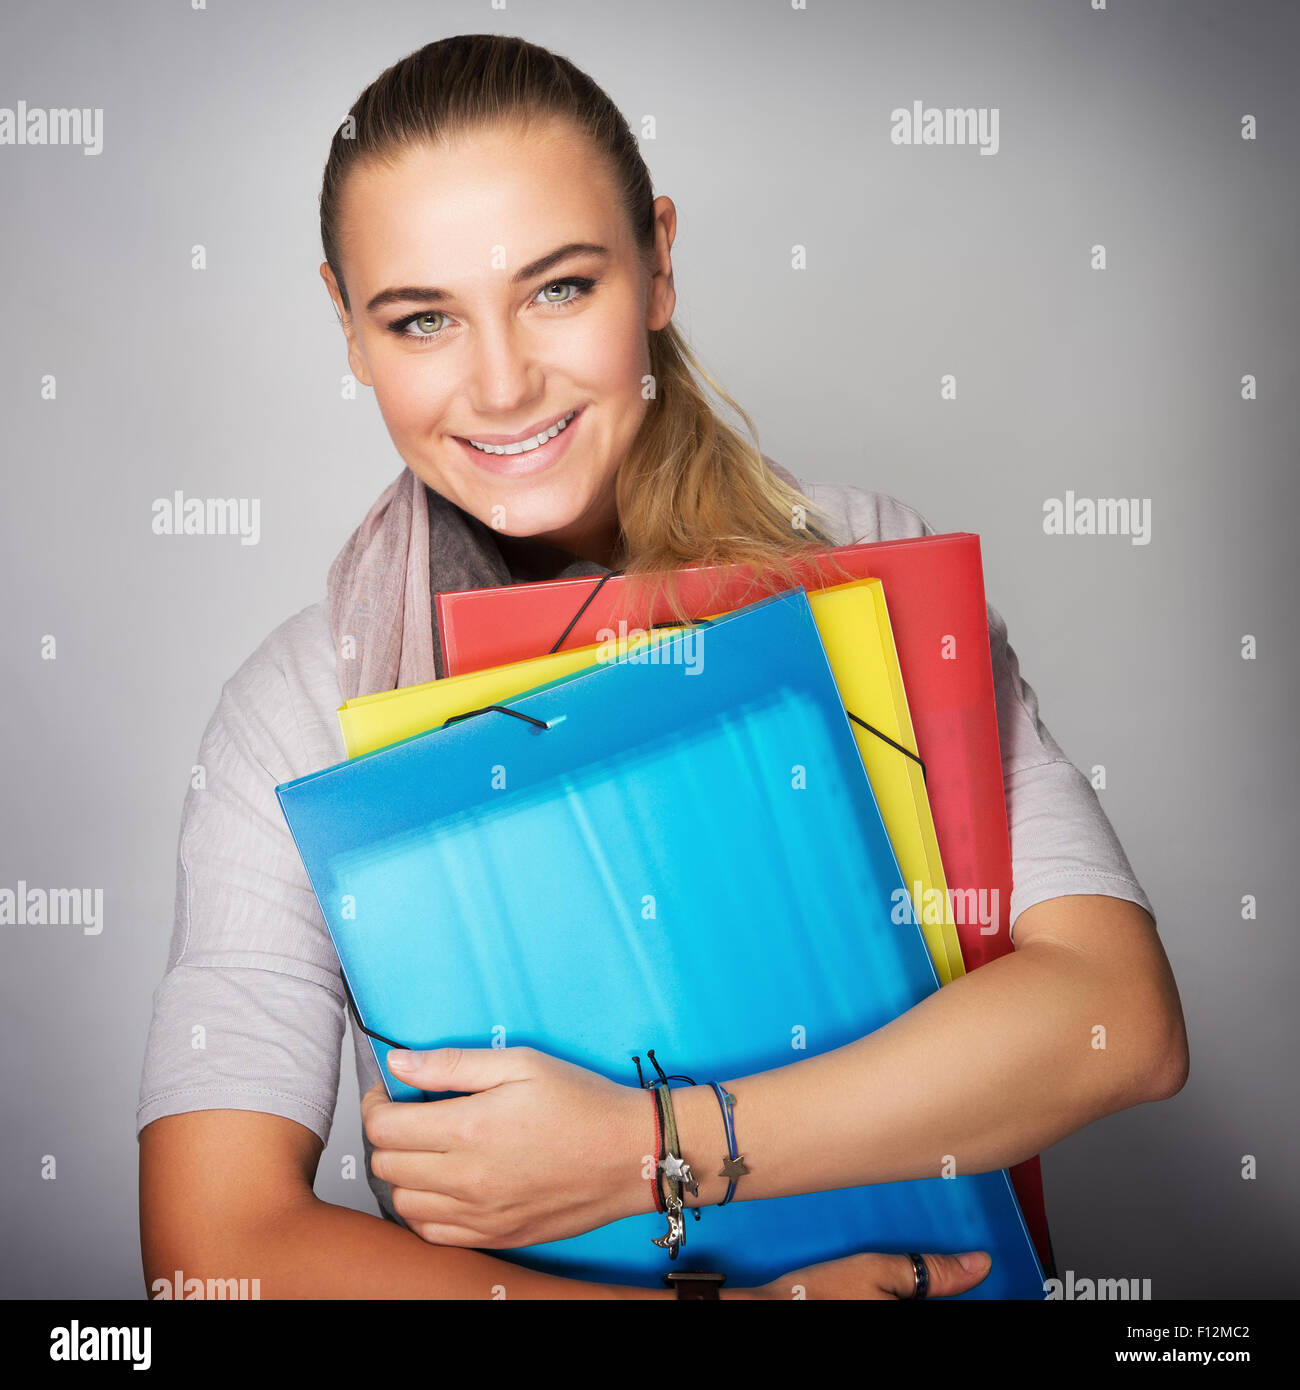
[(533, 437), (519, 455)]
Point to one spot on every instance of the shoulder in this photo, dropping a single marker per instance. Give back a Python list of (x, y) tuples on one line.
[(298, 649), (861, 516), (281, 702)]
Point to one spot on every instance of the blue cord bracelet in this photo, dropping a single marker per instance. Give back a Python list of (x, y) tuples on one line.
[(733, 1166)]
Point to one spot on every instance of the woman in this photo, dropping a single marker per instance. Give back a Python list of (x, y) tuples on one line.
[(503, 276)]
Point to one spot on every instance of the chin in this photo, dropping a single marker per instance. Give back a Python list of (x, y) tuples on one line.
[(524, 523), (518, 507), (541, 509)]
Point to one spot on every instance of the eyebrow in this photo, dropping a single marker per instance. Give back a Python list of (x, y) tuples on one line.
[(405, 294)]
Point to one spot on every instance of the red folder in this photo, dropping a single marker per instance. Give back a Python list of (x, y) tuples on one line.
[(934, 587)]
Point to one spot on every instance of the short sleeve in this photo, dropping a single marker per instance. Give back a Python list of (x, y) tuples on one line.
[(249, 1012), (1062, 841)]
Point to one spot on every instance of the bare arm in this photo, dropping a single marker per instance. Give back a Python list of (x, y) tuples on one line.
[(991, 1069), (228, 1194)]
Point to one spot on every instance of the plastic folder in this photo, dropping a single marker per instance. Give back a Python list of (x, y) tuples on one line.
[(370, 722), (853, 623), (540, 871), (934, 586), (935, 590)]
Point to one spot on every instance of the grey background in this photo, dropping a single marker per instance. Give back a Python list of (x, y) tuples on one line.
[(1119, 128)]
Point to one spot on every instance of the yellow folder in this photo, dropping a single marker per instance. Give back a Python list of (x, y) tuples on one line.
[(375, 721), (853, 623)]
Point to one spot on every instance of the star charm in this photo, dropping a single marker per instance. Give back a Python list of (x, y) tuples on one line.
[(733, 1168), (680, 1171)]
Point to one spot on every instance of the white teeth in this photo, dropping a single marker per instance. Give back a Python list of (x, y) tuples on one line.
[(525, 446)]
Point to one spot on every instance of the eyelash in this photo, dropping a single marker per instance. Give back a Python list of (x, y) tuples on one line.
[(582, 286)]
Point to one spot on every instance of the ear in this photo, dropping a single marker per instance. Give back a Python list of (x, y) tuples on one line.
[(356, 360), (662, 298)]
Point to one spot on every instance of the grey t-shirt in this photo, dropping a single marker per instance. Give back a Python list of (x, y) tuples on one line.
[(251, 961)]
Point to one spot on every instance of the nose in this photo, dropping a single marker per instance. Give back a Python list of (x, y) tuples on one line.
[(504, 373)]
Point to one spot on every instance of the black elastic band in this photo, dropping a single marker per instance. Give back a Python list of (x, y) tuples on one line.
[(583, 609), (356, 1018), (907, 752), (504, 709), (663, 1076)]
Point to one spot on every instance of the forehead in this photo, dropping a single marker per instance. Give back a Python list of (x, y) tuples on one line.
[(438, 213)]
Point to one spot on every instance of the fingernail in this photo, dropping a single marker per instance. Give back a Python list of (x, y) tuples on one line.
[(974, 1260), (401, 1061)]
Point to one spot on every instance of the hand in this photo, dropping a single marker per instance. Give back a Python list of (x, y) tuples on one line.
[(542, 1150), (877, 1277)]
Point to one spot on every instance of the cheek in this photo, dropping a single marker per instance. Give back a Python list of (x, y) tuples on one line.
[(608, 355), (407, 393)]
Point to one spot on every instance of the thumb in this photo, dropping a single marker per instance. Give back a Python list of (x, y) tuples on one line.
[(455, 1068), (949, 1274)]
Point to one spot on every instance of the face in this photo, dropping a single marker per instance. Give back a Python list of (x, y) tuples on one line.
[(498, 295)]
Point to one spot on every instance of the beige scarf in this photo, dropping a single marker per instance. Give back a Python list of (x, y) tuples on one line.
[(381, 584)]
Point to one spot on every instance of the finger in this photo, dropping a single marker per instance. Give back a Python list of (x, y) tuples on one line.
[(396, 1124), (422, 1170), (948, 1275), (416, 1207), (433, 1126), (460, 1068), (443, 1233), (376, 1095), (439, 1221)]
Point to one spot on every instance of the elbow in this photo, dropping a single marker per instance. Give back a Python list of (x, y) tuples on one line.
[(216, 1199), (184, 1256), (1170, 1061), (220, 1254)]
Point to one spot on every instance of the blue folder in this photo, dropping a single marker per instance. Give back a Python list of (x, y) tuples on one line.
[(683, 855)]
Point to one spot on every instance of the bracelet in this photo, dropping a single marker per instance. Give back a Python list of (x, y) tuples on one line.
[(669, 1168), (733, 1165), (675, 1167), (672, 1172), (658, 1154)]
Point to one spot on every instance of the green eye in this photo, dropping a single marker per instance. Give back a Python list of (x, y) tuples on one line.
[(433, 323)]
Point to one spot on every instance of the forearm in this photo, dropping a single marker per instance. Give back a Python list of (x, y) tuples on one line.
[(986, 1072), (315, 1250), (228, 1194)]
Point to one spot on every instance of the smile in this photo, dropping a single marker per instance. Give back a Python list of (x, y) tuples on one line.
[(516, 456), (527, 445)]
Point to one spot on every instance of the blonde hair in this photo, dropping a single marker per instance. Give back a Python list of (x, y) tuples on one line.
[(692, 489)]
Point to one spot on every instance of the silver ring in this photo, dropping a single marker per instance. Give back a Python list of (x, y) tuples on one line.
[(921, 1274)]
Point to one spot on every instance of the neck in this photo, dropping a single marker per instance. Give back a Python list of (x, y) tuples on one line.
[(599, 544)]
